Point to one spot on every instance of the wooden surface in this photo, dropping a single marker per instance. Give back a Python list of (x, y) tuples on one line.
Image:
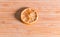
[(47, 25)]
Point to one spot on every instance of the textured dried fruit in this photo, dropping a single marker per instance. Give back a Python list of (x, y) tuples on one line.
[(29, 16)]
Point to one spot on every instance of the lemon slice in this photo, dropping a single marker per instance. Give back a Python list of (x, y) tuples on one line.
[(29, 15)]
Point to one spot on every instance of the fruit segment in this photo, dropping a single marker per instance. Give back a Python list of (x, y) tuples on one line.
[(28, 15)]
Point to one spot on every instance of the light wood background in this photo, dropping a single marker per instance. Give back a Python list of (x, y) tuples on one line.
[(47, 25)]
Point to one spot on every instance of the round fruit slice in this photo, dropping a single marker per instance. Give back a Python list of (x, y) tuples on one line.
[(29, 16)]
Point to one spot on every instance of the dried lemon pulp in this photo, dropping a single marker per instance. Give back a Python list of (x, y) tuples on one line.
[(29, 16)]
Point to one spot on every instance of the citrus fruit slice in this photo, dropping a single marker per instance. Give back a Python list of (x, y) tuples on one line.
[(29, 15)]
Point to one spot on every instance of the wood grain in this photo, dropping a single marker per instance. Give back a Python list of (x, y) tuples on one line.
[(47, 25)]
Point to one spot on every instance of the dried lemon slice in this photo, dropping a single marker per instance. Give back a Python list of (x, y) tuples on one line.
[(29, 16)]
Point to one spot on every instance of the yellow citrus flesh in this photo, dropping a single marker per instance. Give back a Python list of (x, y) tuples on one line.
[(29, 16)]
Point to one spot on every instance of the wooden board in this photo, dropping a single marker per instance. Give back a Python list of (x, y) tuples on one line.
[(47, 25)]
